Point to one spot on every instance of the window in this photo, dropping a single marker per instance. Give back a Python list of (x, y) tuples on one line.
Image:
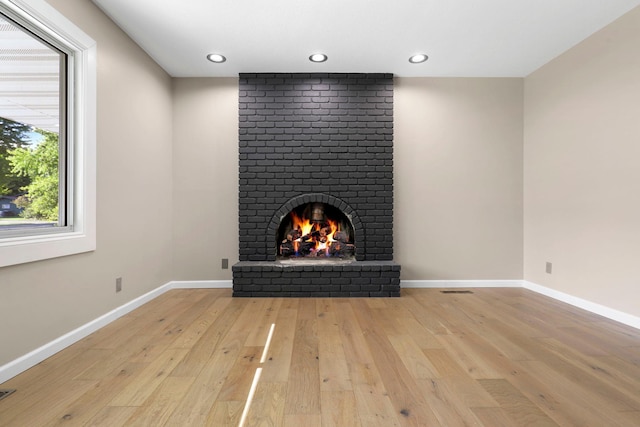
[(47, 134)]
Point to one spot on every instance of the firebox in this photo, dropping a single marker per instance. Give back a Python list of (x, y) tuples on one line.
[(316, 186), (315, 231)]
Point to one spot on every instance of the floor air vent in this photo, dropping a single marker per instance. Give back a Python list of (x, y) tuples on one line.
[(5, 393), (456, 292)]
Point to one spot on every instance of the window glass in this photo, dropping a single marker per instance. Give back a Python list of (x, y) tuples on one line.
[(47, 134), (33, 176)]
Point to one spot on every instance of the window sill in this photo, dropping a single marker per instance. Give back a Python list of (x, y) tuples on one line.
[(42, 17), (21, 250)]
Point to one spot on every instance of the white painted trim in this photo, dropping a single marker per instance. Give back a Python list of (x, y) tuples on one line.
[(609, 313), (39, 16), (25, 362), (201, 284), (460, 283)]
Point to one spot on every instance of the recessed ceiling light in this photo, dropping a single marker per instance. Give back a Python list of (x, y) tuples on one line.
[(216, 57), (318, 57), (416, 59)]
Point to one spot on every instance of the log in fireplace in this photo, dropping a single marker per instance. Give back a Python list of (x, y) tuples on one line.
[(315, 231), (316, 186)]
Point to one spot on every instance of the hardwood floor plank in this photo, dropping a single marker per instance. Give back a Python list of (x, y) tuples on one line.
[(495, 357), (278, 363), (211, 339), (160, 335), (605, 369), (596, 408), (109, 362), (339, 409), (267, 408), (362, 367), (215, 365), (57, 373), (420, 335), (472, 358), (617, 367), (157, 409), (84, 409), (630, 355), (570, 371), (516, 405), (112, 416), (444, 405), (445, 364), (225, 414), (494, 417), (541, 390), (416, 362), (112, 335), (452, 398), (506, 338), (306, 420), (237, 383), (303, 385), (374, 408), (263, 317), (411, 406), (49, 408), (195, 406), (425, 308), (195, 331), (333, 369), (135, 393)]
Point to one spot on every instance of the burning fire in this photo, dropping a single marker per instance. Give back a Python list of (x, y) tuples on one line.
[(321, 234), (310, 232)]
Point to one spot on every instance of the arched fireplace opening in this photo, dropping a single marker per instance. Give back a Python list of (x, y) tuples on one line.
[(315, 230)]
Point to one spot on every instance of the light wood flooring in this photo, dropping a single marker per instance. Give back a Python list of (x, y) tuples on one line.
[(495, 357)]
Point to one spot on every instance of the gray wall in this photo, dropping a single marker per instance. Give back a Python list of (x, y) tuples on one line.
[(205, 177), (41, 301), (582, 180), (458, 167)]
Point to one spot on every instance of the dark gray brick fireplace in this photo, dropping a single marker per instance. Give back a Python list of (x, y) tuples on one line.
[(307, 138)]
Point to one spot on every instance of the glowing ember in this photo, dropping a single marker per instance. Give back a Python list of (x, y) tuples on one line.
[(308, 238)]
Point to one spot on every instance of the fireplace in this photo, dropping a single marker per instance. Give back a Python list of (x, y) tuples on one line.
[(316, 186)]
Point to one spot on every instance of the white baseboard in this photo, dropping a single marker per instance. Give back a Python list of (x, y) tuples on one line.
[(592, 307), (460, 283), (609, 313), (36, 356)]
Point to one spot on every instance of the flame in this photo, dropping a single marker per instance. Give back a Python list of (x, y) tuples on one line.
[(306, 227)]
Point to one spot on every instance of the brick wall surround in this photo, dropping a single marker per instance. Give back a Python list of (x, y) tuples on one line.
[(315, 137)]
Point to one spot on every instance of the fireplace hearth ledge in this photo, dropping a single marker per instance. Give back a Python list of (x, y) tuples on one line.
[(316, 278)]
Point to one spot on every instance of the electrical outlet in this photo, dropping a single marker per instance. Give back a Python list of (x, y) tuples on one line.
[(549, 268), (225, 263), (118, 284)]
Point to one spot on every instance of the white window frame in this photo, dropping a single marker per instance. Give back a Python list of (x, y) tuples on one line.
[(81, 111)]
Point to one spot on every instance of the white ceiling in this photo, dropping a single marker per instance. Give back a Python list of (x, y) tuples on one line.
[(463, 38)]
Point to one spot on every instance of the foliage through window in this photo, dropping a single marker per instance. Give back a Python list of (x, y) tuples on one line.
[(47, 134)]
